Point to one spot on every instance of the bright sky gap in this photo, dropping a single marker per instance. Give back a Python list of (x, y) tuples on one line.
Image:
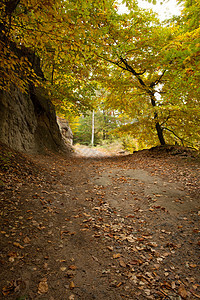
[(164, 11)]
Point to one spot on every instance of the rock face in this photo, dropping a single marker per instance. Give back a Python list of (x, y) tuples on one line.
[(65, 130), (28, 121)]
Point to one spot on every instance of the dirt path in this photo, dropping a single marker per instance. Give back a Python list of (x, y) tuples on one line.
[(85, 151), (100, 228)]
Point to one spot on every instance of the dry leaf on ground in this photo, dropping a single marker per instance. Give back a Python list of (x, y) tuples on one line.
[(71, 285), (43, 286), (182, 292), (16, 244), (116, 255)]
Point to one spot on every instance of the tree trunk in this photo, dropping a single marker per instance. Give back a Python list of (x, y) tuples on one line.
[(158, 126), (149, 89), (160, 133), (92, 139), (104, 126)]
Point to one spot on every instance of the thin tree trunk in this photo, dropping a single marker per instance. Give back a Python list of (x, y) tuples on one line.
[(158, 126), (104, 130), (92, 139)]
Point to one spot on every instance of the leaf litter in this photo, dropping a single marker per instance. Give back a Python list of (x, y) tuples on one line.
[(117, 245)]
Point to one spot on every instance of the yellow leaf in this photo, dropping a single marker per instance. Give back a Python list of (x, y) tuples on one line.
[(117, 255), (43, 286), (71, 285)]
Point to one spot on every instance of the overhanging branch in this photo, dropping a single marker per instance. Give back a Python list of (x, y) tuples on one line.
[(130, 69), (154, 83), (168, 117), (165, 128), (112, 62)]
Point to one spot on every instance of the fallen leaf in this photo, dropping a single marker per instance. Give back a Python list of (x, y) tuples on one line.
[(195, 286), (193, 265), (173, 285), (16, 244), (27, 240), (196, 295), (43, 286), (63, 232), (71, 285), (11, 288), (96, 235), (156, 266), (95, 258), (130, 239), (147, 292), (116, 255), (45, 265), (122, 263), (13, 254), (119, 284), (110, 248), (135, 262), (11, 259), (87, 220), (73, 267), (182, 292), (153, 244), (140, 239), (86, 215)]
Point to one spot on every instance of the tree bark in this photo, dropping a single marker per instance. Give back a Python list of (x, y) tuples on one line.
[(158, 126), (160, 133)]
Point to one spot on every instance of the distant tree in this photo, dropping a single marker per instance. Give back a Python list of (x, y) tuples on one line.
[(104, 124)]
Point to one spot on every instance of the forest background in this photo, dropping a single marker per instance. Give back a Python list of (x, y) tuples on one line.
[(137, 75)]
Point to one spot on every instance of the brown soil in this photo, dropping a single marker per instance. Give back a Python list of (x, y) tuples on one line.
[(121, 227)]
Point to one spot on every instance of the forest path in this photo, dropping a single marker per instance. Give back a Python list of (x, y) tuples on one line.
[(124, 227), (86, 151)]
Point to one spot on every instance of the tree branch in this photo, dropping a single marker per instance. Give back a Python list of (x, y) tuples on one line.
[(174, 134), (129, 68), (112, 62), (168, 117), (154, 83)]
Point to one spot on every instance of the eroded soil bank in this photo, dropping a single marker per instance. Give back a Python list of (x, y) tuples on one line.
[(124, 227)]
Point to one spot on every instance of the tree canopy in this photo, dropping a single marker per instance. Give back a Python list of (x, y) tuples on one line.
[(147, 70)]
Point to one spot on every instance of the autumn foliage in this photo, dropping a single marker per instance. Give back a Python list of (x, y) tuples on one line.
[(147, 70)]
